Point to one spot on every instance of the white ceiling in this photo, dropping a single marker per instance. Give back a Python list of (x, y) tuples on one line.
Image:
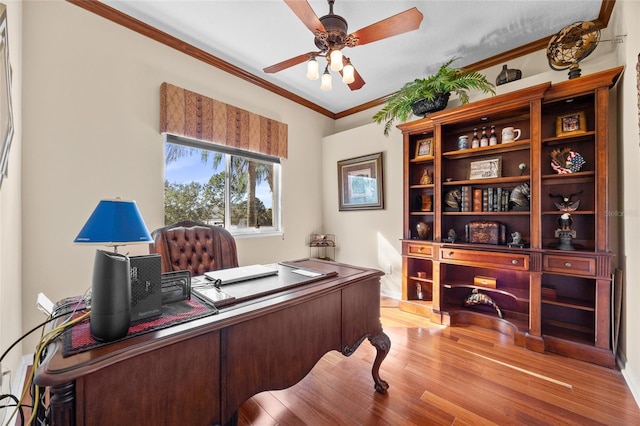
[(255, 34)]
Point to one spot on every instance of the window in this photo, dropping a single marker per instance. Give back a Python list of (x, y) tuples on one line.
[(219, 185)]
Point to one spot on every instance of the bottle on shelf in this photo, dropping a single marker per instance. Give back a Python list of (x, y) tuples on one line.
[(493, 138), (484, 139), (475, 141)]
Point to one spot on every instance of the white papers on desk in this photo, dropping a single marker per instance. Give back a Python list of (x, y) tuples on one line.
[(306, 273), (241, 273)]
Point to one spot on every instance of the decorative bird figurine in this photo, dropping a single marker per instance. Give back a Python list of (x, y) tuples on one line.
[(567, 205), (477, 298)]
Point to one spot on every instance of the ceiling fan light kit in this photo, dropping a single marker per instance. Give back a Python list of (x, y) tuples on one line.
[(330, 37)]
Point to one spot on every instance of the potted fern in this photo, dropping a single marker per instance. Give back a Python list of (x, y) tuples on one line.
[(424, 95)]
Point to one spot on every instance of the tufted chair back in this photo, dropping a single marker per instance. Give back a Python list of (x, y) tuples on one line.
[(195, 247)]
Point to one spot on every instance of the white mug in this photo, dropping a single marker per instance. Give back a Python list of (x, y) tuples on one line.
[(510, 134)]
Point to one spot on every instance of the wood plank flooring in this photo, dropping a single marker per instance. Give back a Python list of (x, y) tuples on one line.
[(447, 376)]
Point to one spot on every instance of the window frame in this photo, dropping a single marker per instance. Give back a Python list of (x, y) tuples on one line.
[(249, 231)]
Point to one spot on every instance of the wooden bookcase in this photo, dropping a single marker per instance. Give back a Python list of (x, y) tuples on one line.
[(547, 294)]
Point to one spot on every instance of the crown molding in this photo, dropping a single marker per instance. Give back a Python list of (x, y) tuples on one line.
[(140, 27)]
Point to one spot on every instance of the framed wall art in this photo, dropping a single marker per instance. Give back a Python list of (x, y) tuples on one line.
[(424, 149), (360, 183), (571, 124), (6, 110), (486, 168)]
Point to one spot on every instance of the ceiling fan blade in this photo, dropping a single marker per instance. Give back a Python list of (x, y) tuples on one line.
[(403, 22), (303, 10), (288, 63)]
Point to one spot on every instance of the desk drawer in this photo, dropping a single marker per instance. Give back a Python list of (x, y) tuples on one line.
[(419, 250), (572, 265), (488, 259)]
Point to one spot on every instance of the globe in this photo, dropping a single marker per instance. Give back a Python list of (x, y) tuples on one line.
[(571, 45)]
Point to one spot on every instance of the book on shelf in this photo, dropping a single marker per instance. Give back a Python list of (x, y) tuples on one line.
[(477, 200), (489, 199)]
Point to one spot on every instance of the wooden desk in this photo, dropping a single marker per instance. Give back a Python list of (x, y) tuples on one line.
[(200, 372)]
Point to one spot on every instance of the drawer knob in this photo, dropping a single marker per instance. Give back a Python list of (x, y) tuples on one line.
[(514, 262), (567, 264), (450, 254), (420, 248)]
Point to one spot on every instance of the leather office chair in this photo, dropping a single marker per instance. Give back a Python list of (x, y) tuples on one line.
[(195, 247)]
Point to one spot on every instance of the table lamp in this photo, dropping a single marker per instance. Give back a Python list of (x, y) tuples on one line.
[(113, 223)]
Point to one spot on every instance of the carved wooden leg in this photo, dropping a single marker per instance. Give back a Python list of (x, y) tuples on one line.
[(382, 344), (63, 404)]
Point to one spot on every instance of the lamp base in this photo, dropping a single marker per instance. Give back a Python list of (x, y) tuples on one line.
[(110, 296)]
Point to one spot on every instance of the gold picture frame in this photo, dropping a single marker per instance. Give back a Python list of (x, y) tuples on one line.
[(486, 168), (571, 124), (424, 149)]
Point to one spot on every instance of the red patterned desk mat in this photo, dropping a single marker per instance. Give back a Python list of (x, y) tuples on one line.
[(78, 339)]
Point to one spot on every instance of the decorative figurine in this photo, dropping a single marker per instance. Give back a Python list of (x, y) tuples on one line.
[(516, 240), (451, 236), (564, 233), (419, 293), (477, 298), (426, 178), (520, 197), (567, 205)]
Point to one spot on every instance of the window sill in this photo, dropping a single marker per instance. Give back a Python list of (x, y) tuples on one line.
[(254, 233)]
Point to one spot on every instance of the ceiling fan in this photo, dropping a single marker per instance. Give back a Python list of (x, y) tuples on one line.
[(330, 32)]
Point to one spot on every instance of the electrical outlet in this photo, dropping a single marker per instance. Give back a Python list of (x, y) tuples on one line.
[(389, 269)]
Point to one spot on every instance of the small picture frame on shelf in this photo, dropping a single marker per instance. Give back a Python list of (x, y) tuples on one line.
[(424, 149), (571, 124), (486, 168)]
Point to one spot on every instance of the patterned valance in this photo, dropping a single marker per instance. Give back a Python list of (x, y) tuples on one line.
[(189, 114)]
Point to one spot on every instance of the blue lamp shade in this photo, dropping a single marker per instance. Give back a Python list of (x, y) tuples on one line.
[(115, 223)]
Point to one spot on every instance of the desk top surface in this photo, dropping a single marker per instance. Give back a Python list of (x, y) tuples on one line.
[(254, 298)]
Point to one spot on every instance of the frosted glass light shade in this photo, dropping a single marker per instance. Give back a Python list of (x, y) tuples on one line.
[(335, 58), (348, 74), (312, 69), (326, 81)]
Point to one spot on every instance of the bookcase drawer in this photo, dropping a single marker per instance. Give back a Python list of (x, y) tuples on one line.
[(488, 259), (419, 250), (569, 265)]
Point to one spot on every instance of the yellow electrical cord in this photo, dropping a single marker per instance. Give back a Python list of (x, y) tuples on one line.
[(44, 342)]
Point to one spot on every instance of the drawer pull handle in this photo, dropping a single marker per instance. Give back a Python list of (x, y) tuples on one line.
[(514, 262), (450, 254), (567, 264), (420, 249)]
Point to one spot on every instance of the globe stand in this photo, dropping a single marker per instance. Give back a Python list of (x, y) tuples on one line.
[(574, 71)]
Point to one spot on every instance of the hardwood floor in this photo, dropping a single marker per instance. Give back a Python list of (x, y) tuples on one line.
[(448, 376)]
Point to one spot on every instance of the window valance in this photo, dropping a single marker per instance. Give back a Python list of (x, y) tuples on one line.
[(189, 114)]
